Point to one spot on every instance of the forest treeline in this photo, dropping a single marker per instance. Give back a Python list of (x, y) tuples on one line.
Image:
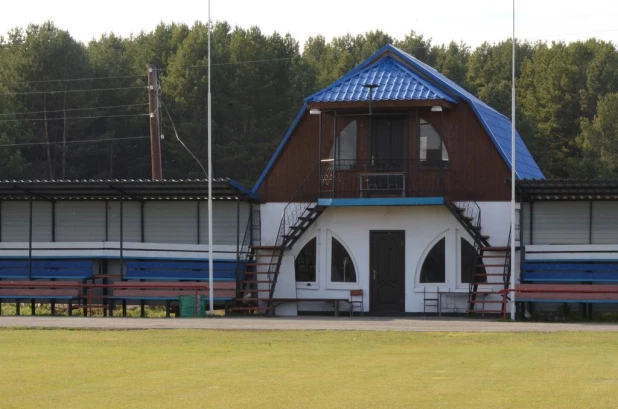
[(70, 110)]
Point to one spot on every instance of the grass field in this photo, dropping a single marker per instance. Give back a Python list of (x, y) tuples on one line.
[(305, 369)]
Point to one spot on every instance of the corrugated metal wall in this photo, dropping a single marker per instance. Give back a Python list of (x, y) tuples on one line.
[(131, 221), (526, 222), (561, 223), (15, 221), (224, 222), (170, 222), (80, 221), (604, 222)]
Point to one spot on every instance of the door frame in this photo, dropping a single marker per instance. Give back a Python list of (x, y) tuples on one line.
[(402, 283)]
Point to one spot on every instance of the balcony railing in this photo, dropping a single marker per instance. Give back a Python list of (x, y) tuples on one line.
[(386, 178)]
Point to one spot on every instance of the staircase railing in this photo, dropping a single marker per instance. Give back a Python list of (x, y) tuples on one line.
[(308, 192), (242, 258), (467, 209), (506, 274)]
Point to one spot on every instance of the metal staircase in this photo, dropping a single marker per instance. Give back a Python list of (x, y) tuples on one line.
[(258, 281), (483, 297)]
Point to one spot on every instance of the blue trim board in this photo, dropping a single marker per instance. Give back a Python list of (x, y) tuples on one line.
[(384, 201), (234, 184)]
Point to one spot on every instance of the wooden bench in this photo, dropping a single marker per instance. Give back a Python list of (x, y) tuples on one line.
[(336, 301), (567, 293), (168, 280), (67, 291), (554, 271)]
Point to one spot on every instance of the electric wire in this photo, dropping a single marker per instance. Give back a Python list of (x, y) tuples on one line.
[(71, 79), (72, 142), (73, 109), (180, 140), (73, 90), (71, 118)]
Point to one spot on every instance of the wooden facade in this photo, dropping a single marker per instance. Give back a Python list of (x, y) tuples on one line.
[(475, 168)]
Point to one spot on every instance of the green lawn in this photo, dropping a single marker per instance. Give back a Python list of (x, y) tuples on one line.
[(294, 369)]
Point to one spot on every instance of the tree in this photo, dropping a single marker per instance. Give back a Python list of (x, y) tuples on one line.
[(599, 139)]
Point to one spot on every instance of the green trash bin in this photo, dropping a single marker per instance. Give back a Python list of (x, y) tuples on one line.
[(186, 306)]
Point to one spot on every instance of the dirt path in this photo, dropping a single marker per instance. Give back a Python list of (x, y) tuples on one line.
[(301, 323)]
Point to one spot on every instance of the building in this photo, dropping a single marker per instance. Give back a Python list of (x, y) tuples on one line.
[(393, 181)]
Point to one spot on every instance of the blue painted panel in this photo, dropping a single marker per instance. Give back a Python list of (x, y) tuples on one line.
[(384, 201), (182, 270), (47, 269), (562, 271)]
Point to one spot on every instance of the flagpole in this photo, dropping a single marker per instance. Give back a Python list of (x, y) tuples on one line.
[(513, 176), (210, 242)]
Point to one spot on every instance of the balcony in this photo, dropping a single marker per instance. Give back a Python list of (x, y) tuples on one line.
[(389, 179)]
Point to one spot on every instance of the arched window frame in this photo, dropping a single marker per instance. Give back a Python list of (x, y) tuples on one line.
[(444, 235), (335, 150), (309, 285), (444, 157), (329, 254), (460, 237)]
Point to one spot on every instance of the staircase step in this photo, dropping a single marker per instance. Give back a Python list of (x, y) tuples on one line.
[(266, 247), (262, 264), (488, 283), (498, 248), (491, 265), (484, 302), (255, 282), (489, 275), (306, 219), (502, 256), (258, 272), (485, 311)]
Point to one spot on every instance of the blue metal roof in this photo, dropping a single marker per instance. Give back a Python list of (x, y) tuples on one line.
[(395, 82)]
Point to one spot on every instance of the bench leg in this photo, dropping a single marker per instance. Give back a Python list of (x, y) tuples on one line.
[(110, 305), (142, 312), (70, 311), (336, 308), (167, 308), (124, 308), (33, 307), (53, 307), (17, 307)]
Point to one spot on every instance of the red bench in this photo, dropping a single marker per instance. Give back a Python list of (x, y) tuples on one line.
[(167, 291), (39, 290), (559, 293)]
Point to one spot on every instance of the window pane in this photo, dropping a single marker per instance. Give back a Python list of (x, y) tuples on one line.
[(341, 268), (345, 145), (305, 262), (430, 143), (433, 270)]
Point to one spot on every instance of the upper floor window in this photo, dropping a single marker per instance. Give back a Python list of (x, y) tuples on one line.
[(343, 150), (341, 266), (434, 266), (432, 149), (306, 261)]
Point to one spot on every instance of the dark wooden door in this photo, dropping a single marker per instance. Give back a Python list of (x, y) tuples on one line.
[(387, 144), (387, 271)]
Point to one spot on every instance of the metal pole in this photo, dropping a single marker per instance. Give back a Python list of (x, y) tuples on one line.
[(121, 239), (513, 175), (210, 242), (320, 155), (30, 243), (155, 137)]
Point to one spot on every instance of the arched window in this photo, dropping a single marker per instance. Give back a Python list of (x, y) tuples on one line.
[(341, 266), (432, 149), (469, 263), (305, 262), (434, 266), (343, 150)]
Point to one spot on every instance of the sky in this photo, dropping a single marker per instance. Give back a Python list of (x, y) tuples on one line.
[(470, 21)]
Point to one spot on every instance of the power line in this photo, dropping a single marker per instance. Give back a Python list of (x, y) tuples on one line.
[(71, 117), (70, 142), (234, 63), (72, 90), (71, 79), (73, 109)]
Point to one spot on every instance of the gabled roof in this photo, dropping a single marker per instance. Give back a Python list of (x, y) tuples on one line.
[(398, 62), (395, 82)]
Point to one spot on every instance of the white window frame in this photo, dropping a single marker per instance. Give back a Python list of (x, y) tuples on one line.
[(338, 285), (443, 235), (309, 285), (458, 282)]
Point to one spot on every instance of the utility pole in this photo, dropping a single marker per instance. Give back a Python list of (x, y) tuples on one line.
[(155, 135)]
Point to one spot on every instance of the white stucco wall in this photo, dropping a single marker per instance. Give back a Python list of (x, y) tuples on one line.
[(423, 226)]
